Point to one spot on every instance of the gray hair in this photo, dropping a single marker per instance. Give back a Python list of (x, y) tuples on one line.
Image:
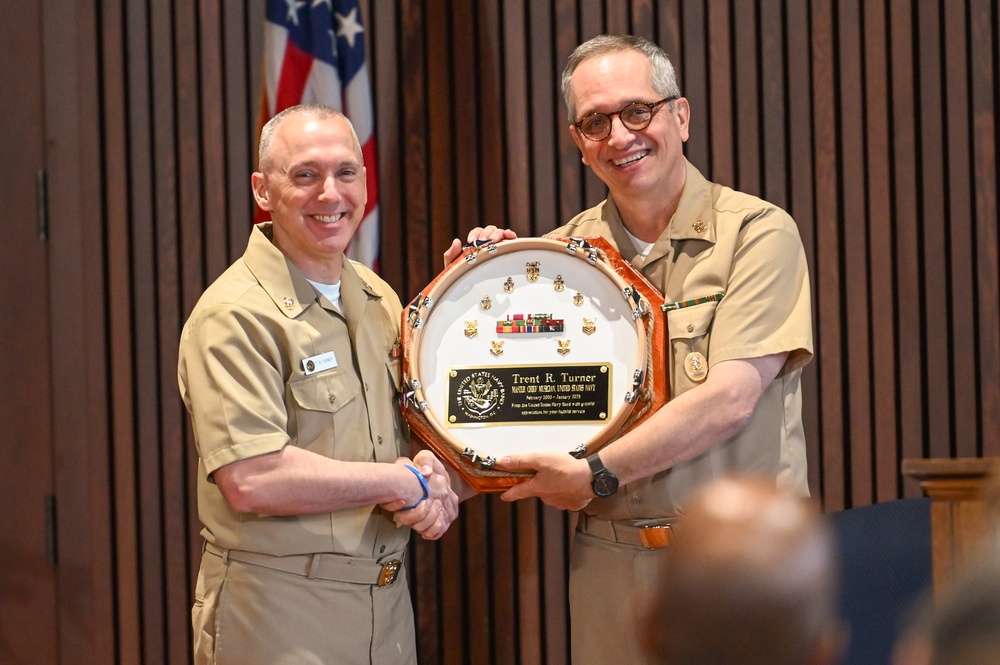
[(664, 78), (318, 111)]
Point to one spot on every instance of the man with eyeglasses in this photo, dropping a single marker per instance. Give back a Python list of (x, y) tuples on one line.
[(733, 273)]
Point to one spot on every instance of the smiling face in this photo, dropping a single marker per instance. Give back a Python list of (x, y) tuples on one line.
[(633, 164), (313, 183)]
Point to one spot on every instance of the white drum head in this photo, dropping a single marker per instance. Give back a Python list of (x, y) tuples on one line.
[(529, 347)]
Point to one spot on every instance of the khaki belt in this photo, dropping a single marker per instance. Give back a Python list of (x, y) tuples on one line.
[(654, 535), (321, 566)]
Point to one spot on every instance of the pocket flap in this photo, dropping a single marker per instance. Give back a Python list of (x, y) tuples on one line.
[(691, 322), (326, 392)]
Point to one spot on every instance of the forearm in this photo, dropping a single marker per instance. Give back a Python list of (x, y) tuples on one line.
[(694, 422), (684, 428), (297, 482)]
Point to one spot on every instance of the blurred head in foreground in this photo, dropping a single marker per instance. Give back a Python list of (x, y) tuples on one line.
[(751, 580)]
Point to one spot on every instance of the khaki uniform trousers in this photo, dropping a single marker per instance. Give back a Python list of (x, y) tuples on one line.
[(610, 587), (246, 614)]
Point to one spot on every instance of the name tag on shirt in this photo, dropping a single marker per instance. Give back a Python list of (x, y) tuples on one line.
[(319, 363)]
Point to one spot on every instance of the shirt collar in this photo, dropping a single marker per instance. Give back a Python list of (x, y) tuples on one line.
[(285, 284)]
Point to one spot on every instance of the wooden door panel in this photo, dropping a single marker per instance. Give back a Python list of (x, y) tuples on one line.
[(27, 548)]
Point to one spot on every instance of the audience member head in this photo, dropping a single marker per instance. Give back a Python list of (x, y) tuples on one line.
[(751, 579), (961, 627)]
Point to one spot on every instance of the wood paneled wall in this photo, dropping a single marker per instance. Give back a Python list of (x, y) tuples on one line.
[(874, 123)]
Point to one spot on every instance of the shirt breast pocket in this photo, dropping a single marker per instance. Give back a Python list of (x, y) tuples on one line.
[(690, 330), (321, 410)]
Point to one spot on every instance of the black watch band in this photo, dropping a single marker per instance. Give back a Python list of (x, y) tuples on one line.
[(604, 482)]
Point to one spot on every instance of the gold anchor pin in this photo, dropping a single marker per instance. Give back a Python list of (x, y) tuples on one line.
[(696, 366), (532, 271)]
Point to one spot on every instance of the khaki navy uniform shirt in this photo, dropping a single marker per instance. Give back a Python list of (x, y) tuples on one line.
[(243, 379), (722, 241)]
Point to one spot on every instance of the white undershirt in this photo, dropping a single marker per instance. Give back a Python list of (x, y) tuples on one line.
[(331, 291), (642, 246)]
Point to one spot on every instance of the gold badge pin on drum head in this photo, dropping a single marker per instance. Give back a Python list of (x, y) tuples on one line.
[(508, 285), (532, 270), (695, 366)]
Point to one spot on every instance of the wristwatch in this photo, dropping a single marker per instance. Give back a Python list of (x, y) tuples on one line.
[(604, 483)]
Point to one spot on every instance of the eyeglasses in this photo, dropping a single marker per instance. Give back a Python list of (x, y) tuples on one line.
[(635, 116)]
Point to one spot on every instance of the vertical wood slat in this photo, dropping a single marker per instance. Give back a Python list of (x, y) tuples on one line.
[(984, 118), (414, 129), (720, 83), (880, 286), (960, 234), (854, 233), (116, 204), (517, 109), (801, 202), (884, 155), (746, 103), (826, 276), (490, 109), (906, 252), (541, 118), (934, 233), (179, 285), (127, 600)]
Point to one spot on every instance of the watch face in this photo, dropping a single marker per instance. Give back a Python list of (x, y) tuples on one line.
[(605, 484)]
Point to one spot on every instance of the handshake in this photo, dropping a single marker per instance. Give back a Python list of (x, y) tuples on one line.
[(429, 504)]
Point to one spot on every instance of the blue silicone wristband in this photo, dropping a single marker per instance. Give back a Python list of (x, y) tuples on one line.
[(423, 483)]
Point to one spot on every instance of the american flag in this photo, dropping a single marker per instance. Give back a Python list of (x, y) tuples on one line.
[(314, 52)]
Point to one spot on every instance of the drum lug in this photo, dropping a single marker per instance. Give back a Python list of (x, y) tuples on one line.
[(631, 293), (414, 316), (633, 394), (593, 254), (579, 452), (475, 458)]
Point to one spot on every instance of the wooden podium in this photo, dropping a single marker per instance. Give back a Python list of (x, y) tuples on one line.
[(962, 529)]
